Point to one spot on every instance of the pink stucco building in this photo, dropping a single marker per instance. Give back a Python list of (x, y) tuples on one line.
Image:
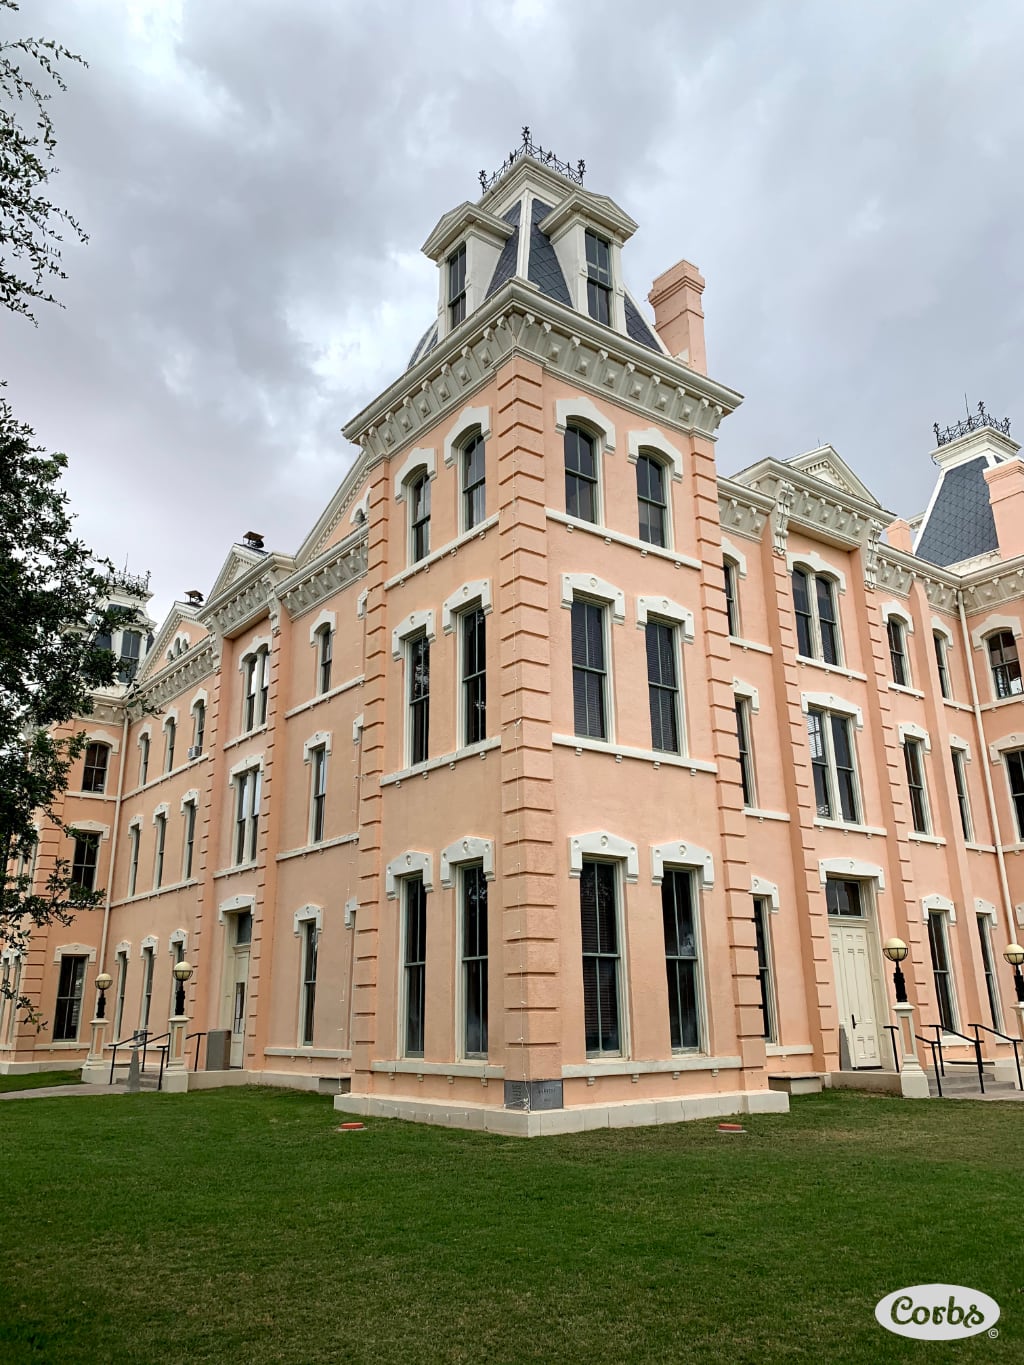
[(556, 780)]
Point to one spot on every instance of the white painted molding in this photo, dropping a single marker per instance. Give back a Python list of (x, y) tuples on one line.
[(729, 551), (161, 810), (467, 420), (467, 850), (759, 886), (303, 916), (1006, 742), (351, 908), (169, 717), (808, 559), (1018, 910), (321, 740), (326, 618), (412, 625), (191, 797), (939, 628), (74, 950), (417, 459), (357, 728), (955, 742), (828, 701), (361, 604), (935, 902), (201, 698), (651, 439), (233, 905), (588, 414), (179, 936), (910, 730), (900, 612), (983, 907), (125, 947), (478, 590), (135, 822), (408, 865), (851, 867), (252, 649), (601, 844), (589, 585), (361, 511), (145, 733), (747, 690), (245, 765), (98, 737), (667, 609), (90, 827), (679, 853), (993, 623), (150, 941)]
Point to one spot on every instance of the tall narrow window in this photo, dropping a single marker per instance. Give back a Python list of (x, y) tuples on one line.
[(762, 909), (962, 798), (474, 960), (188, 860), (663, 687), (1002, 653), (474, 675), (263, 688), (310, 939), (198, 728), (746, 750), (1015, 773), (589, 672), (419, 699), (170, 736), (842, 897), (131, 649), (247, 803), (94, 773), (161, 844), (415, 964), (989, 967), (941, 972), (599, 277), (325, 658), (915, 784), (456, 287), (817, 626), (474, 485), (84, 861), (651, 500), (732, 600), (896, 632), (599, 917), (122, 983), (148, 965), (318, 795), (251, 687), (419, 517), (70, 987), (580, 475), (143, 760), (942, 664), (134, 838), (832, 766), (680, 920)]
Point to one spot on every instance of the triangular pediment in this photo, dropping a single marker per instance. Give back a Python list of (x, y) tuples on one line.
[(180, 619), (239, 561), (828, 466)]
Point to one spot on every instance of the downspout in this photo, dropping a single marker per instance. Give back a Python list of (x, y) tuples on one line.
[(983, 759), (113, 840)]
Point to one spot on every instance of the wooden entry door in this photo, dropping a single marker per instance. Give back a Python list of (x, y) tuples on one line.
[(856, 989)]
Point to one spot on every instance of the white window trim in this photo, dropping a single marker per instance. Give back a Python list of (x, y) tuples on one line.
[(651, 439), (179, 936), (98, 737), (936, 903), (678, 853), (145, 733), (135, 822), (910, 730), (477, 592), (667, 610), (991, 624), (245, 765), (766, 890), (748, 692), (150, 941), (357, 727), (191, 798), (308, 914), (410, 625), (161, 812), (252, 649), (1000, 746), (985, 909), (729, 551), (600, 844), (235, 905), (74, 950), (467, 420), (321, 740), (900, 613), (361, 512), (125, 947), (420, 458), (939, 629), (361, 601), (90, 827), (807, 559), (853, 868), (171, 716), (828, 701), (351, 909), (201, 698), (326, 618), (581, 409), (408, 864), (955, 742), (589, 585), (467, 850)]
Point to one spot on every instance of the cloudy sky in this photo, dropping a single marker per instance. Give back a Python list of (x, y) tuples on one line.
[(257, 177)]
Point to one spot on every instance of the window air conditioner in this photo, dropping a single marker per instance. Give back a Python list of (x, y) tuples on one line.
[(195, 751)]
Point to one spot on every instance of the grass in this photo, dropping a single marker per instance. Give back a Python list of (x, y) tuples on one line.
[(240, 1226), (38, 1080)]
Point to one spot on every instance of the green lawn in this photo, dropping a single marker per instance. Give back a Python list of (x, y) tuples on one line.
[(239, 1226), (38, 1080)]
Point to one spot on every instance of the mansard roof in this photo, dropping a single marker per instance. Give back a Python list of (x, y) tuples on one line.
[(958, 524)]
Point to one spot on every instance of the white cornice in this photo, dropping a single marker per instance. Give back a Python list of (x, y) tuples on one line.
[(459, 220)]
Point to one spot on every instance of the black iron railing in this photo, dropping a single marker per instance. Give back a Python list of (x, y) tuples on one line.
[(1014, 1043), (893, 1030), (188, 1039), (928, 1042), (955, 1061)]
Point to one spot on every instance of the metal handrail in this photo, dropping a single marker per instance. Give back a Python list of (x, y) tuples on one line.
[(188, 1039), (132, 1040), (894, 1029), (974, 1042), (151, 1038), (163, 1060), (1014, 1043), (935, 1065)]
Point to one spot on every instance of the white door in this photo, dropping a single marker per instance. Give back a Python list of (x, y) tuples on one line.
[(237, 1003), (856, 990)]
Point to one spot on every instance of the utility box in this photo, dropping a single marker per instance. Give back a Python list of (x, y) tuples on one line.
[(218, 1049)]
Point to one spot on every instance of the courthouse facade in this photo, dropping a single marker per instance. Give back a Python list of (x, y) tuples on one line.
[(556, 780)]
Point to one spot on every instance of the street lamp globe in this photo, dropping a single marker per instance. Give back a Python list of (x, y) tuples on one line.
[(1013, 953), (183, 970), (104, 981), (895, 949)]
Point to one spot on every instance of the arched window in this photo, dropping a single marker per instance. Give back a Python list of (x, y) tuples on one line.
[(941, 662), (143, 759), (652, 500), (474, 486), (732, 596), (170, 735), (419, 516), (94, 773), (198, 728), (1002, 654), (817, 624), (325, 658), (897, 634), (581, 497)]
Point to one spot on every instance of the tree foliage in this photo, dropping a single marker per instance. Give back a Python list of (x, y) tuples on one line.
[(30, 224)]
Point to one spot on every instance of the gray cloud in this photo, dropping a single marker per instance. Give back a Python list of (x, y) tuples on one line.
[(257, 181)]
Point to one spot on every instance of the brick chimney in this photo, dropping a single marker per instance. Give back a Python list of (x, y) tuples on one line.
[(899, 535), (678, 316), (1006, 495)]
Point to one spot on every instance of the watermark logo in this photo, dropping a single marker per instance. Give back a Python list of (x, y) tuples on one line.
[(937, 1312)]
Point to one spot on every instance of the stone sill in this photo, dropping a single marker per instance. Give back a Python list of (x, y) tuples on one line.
[(677, 559), (424, 564), (685, 1061), (805, 662), (443, 761), (317, 848), (621, 751), (412, 1067), (329, 695), (870, 830)]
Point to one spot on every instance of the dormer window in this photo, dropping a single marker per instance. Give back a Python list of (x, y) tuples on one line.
[(599, 277), (456, 287)]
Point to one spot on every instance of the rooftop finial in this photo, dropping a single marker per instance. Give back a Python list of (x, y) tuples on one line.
[(528, 147), (972, 422)]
